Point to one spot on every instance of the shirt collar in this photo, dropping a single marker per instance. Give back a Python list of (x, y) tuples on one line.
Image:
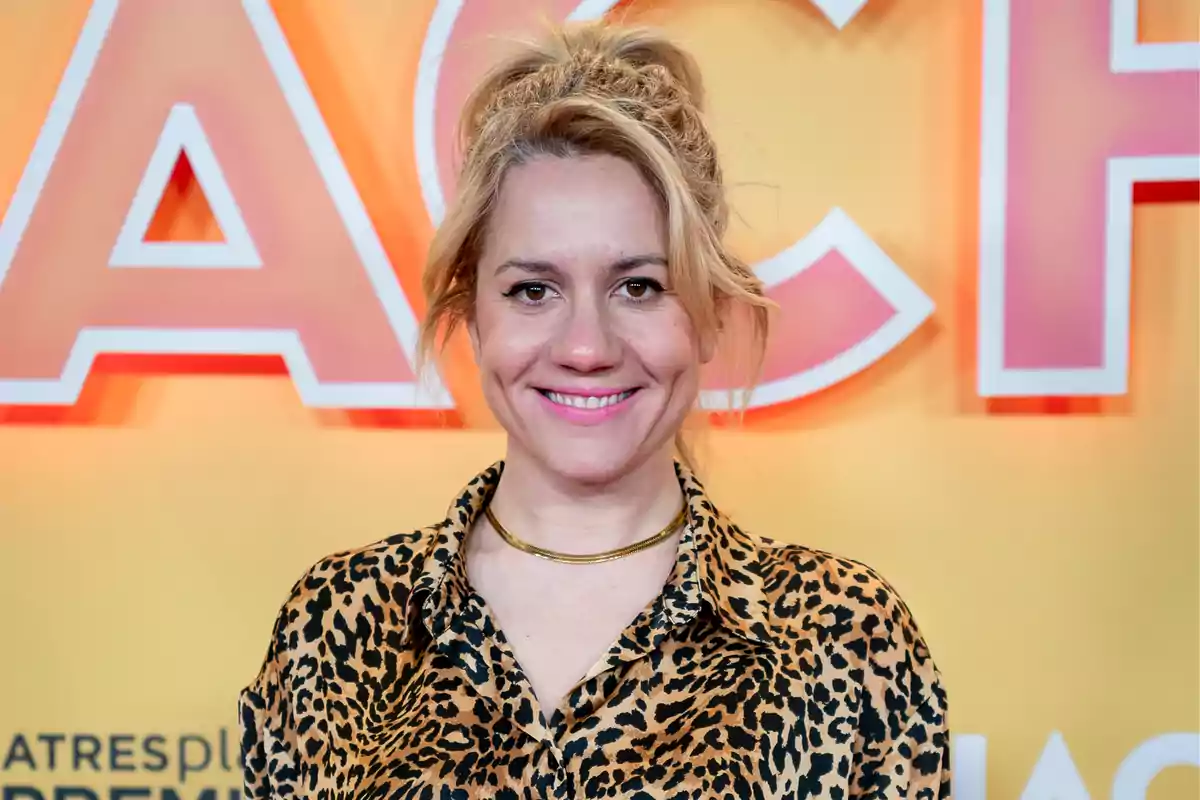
[(718, 565)]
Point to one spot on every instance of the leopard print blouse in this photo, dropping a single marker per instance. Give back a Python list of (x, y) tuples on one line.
[(760, 671)]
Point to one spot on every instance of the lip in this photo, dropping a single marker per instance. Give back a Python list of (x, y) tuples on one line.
[(587, 416)]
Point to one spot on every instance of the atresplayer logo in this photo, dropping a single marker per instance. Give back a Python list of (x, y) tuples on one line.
[(193, 762), (301, 273)]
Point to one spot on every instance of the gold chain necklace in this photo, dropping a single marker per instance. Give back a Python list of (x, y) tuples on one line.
[(597, 558)]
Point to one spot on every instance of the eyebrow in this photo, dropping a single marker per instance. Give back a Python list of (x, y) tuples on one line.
[(548, 267)]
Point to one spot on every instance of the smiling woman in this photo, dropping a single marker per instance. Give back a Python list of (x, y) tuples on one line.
[(584, 622), (586, 354)]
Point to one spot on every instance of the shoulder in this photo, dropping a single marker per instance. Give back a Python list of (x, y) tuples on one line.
[(859, 619), (821, 579), (346, 594), (338, 615)]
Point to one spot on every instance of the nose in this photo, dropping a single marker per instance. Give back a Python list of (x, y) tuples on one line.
[(587, 341)]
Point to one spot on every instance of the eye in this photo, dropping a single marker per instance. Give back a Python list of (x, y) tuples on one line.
[(530, 293), (640, 289)]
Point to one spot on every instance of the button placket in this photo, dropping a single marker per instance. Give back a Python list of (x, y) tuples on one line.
[(553, 777)]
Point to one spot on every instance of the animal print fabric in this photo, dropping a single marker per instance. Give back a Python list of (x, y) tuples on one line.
[(760, 671)]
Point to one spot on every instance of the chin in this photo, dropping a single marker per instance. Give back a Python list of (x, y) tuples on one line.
[(597, 464)]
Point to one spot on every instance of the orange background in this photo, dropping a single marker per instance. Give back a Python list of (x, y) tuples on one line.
[(1049, 549)]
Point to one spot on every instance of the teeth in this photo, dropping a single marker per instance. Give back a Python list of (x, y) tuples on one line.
[(593, 402)]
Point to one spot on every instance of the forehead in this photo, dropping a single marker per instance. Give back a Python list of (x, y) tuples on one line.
[(576, 211)]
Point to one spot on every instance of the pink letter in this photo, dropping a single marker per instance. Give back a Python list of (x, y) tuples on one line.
[(300, 272), (1075, 112)]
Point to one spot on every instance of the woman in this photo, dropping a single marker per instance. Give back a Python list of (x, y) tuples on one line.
[(585, 622)]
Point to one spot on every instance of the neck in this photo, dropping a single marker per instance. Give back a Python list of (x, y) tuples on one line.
[(549, 510)]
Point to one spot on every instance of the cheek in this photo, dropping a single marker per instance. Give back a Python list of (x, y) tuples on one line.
[(506, 342), (666, 346)]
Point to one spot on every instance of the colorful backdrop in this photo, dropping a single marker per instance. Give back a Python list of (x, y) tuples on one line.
[(979, 219)]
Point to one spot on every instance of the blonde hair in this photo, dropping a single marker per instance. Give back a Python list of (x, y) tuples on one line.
[(596, 88)]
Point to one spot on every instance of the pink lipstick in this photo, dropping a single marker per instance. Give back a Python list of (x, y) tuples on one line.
[(587, 408)]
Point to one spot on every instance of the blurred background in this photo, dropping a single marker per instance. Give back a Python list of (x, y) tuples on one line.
[(978, 217)]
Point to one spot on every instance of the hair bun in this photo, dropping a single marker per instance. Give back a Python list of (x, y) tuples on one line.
[(635, 68), (642, 49)]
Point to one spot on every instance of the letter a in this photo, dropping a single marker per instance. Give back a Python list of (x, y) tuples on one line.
[(1055, 776), (301, 272)]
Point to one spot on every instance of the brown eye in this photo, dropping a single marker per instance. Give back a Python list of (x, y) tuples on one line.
[(530, 293), (640, 289)]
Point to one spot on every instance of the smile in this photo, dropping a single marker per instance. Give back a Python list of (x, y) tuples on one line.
[(586, 402)]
